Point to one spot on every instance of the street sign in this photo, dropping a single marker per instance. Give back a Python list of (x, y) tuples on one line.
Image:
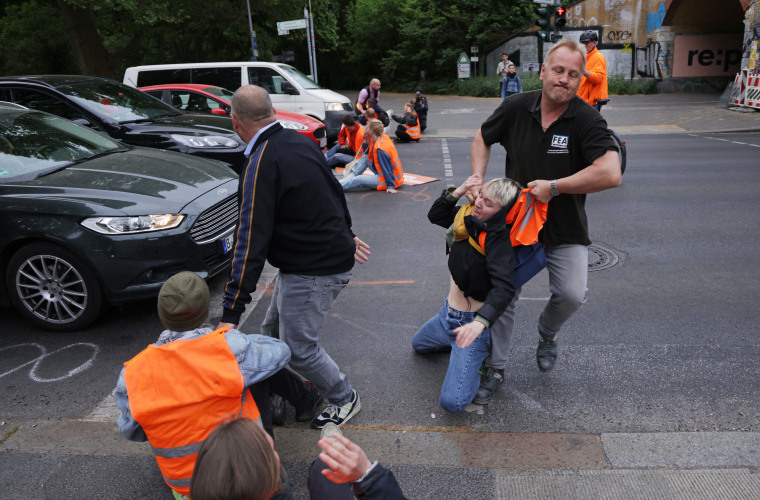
[(463, 66), (474, 59), (295, 24), (473, 50)]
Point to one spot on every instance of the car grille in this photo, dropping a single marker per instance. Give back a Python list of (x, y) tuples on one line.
[(216, 221), (320, 133), (347, 106)]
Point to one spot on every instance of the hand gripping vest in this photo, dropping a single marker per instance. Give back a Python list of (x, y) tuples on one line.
[(181, 391), (385, 144)]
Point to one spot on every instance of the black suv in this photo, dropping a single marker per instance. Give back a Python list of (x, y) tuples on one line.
[(126, 114)]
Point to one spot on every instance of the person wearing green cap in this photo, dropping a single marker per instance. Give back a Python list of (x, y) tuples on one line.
[(179, 389)]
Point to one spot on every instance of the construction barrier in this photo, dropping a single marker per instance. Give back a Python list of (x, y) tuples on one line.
[(752, 94), (739, 90)]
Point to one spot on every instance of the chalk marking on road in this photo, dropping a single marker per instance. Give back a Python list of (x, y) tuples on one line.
[(44, 354), (528, 401), (535, 298)]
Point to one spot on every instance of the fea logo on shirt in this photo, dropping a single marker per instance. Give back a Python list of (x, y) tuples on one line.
[(559, 144)]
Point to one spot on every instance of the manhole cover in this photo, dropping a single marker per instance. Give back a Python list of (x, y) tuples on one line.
[(600, 258)]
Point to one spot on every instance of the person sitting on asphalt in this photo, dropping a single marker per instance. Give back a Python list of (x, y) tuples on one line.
[(420, 104), (382, 159), (346, 148), (175, 392), (409, 124), (238, 461), (379, 113), (481, 286)]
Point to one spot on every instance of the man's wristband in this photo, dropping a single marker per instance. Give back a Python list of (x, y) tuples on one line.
[(553, 187)]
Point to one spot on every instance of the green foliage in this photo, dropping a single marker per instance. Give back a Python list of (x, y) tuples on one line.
[(27, 49), (617, 85)]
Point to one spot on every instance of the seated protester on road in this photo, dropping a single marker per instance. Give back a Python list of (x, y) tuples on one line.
[(238, 462), (165, 393), (382, 159), (409, 125), (420, 104), (481, 285), (346, 148)]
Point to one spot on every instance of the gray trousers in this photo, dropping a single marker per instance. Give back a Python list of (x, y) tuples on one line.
[(568, 277), (300, 305)]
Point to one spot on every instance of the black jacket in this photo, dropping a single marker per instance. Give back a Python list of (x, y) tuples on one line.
[(489, 278), (292, 213)]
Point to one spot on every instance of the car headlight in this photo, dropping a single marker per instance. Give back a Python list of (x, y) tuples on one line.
[(334, 106), (205, 141), (134, 224), (293, 125)]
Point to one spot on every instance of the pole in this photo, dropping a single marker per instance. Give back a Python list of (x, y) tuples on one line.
[(308, 40), (254, 48), (313, 44)]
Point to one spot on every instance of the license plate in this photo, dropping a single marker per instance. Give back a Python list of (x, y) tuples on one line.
[(227, 243), (322, 142)]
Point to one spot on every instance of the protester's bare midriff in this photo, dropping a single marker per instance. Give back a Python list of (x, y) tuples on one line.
[(458, 301)]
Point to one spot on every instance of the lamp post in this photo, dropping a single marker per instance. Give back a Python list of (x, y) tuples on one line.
[(254, 47)]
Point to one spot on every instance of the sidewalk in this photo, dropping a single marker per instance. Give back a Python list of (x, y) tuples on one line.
[(688, 466)]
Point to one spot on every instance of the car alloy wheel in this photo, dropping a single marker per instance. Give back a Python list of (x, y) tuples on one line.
[(53, 288)]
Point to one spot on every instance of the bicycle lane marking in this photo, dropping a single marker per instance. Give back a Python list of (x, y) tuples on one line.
[(44, 354)]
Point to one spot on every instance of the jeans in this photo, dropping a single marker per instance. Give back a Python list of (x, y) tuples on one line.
[(568, 277), (462, 379), (504, 88), (358, 182), (300, 305)]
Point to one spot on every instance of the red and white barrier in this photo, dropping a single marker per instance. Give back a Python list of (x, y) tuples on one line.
[(739, 92), (752, 93)]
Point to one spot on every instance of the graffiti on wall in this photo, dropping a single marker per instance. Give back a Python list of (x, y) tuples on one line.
[(652, 60), (655, 19)]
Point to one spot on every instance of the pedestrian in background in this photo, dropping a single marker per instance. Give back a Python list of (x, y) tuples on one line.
[(512, 83), (501, 70), (594, 82), (293, 214), (563, 150)]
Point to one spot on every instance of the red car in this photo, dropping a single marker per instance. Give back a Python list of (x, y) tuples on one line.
[(198, 98)]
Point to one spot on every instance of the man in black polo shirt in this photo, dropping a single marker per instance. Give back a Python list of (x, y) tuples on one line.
[(561, 147)]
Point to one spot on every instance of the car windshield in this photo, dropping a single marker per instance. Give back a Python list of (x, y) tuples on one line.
[(219, 92), (32, 143), (303, 80), (116, 101)]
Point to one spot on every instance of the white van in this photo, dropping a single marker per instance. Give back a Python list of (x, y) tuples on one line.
[(289, 89)]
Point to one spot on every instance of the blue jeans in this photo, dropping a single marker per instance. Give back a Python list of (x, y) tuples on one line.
[(504, 88), (300, 304), (462, 380), (358, 182)]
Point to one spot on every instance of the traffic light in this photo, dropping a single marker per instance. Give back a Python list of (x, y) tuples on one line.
[(544, 21), (559, 18)]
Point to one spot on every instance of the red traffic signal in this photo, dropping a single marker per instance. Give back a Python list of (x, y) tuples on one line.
[(561, 11), (559, 17)]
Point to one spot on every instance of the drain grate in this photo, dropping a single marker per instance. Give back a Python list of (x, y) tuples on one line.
[(600, 258)]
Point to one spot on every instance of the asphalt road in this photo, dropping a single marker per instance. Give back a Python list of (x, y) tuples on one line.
[(667, 341)]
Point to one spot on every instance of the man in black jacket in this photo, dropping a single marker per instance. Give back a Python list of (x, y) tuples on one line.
[(293, 214)]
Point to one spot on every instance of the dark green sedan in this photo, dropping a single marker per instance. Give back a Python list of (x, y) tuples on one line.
[(86, 222)]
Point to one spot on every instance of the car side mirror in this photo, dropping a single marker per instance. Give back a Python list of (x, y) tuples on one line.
[(218, 111), (288, 88)]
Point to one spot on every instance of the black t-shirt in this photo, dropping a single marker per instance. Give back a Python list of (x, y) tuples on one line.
[(569, 145)]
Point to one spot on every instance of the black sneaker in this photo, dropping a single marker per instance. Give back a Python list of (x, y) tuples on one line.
[(546, 353), (489, 382), (338, 414), (315, 404), (279, 415)]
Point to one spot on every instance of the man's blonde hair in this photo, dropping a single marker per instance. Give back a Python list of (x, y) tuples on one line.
[(568, 44)]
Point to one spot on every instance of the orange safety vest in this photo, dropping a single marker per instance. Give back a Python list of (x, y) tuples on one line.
[(414, 132), (527, 217), (181, 391), (386, 144), (358, 140)]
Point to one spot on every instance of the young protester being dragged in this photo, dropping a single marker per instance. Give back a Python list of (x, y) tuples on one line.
[(482, 284)]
